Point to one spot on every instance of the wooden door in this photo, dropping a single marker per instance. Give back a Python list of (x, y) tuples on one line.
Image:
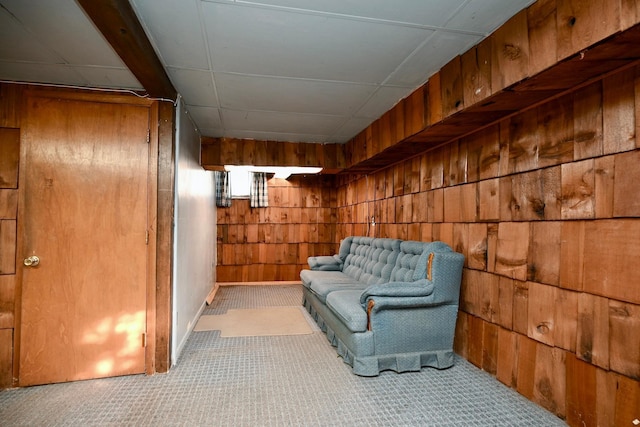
[(83, 212)]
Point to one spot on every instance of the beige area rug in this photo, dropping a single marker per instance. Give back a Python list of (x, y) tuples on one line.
[(257, 322)]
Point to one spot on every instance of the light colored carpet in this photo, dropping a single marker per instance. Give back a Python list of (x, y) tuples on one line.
[(252, 322), (273, 382)]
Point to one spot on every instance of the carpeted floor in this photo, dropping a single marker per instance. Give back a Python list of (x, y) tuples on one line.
[(273, 381), (251, 322)]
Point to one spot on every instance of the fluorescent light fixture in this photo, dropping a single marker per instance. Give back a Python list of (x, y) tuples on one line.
[(282, 172)]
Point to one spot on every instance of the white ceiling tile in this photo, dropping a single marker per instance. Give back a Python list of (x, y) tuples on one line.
[(382, 101), (308, 46), (64, 28), (484, 16), (280, 122), (175, 28), (109, 77), (420, 12), (351, 128), (20, 44), (195, 86), (41, 73), (290, 95), (277, 136), (433, 55), (205, 117)]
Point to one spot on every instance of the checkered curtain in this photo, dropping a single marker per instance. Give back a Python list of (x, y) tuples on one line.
[(223, 189), (258, 194)]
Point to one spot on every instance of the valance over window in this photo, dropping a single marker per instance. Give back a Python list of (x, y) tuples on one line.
[(258, 194), (223, 189)]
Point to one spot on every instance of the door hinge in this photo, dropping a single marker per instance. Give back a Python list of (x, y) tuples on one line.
[(148, 136), (144, 339), (146, 237)]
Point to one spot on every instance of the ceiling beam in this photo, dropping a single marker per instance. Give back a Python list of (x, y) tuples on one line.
[(119, 24)]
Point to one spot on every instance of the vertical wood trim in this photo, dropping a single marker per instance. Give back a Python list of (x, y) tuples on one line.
[(165, 182), (152, 209)]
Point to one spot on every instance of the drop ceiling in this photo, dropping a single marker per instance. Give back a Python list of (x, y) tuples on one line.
[(286, 70)]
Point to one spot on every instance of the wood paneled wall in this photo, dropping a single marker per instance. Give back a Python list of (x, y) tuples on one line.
[(542, 51), (273, 243), (9, 169), (217, 152), (545, 206)]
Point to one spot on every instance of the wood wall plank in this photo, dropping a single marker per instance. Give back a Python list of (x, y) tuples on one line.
[(624, 338), (627, 400), (544, 252), (10, 100), (507, 366), (7, 300), (8, 204), (566, 317), (556, 133), (6, 358), (550, 379), (610, 256), (504, 314), (592, 335), (452, 87), (8, 236), (604, 171), (512, 250), (434, 99), (510, 52), (520, 307), (489, 200), (523, 141), (618, 117), (581, 392), (587, 121), (626, 192), (541, 18), (476, 73), (541, 320), (477, 246), (9, 157), (581, 23), (527, 358), (578, 190), (490, 348)]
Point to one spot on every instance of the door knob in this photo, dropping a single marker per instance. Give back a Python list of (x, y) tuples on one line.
[(31, 261)]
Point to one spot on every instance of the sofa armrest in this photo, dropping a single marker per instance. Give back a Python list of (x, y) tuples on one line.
[(419, 288), (325, 263), (393, 295)]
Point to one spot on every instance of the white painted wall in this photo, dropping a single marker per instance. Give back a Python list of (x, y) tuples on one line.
[(194, 233)]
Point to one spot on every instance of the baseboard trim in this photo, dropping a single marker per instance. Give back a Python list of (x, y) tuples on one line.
[(275, 283)]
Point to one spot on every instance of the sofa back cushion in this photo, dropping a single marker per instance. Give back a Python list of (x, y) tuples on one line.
[(369, 260), (411, 262)]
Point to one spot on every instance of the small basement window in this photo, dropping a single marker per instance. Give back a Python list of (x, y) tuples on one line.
[(240, 176)]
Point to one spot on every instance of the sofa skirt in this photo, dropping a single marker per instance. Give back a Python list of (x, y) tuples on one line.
[(357, 349)]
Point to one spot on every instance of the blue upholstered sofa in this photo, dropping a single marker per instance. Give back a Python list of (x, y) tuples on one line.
[(386, 303)]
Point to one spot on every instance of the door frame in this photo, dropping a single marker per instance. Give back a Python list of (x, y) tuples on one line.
[(159, 169)]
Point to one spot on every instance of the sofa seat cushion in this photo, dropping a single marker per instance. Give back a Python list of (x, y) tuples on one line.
[(346, 306), (322, 288), (310, 276)]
